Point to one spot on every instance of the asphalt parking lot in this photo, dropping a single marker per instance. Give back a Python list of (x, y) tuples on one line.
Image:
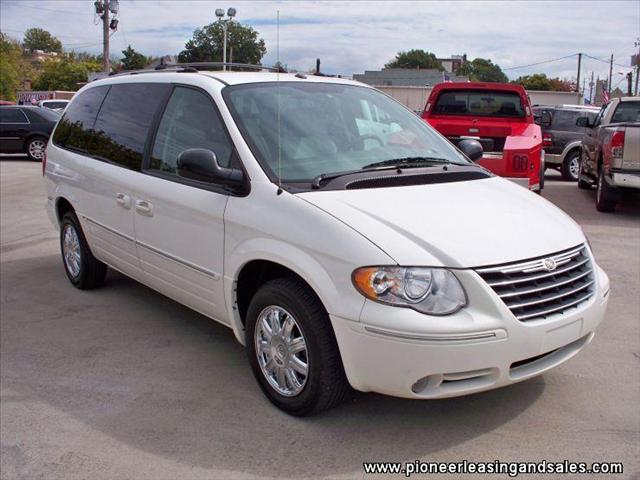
[(122, 382)]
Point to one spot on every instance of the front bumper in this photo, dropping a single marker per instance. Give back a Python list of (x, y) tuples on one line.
[(400, 352)]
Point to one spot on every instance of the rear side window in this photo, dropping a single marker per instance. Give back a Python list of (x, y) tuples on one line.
[(75, 129), (41, 115), (124, 122), (12, 115), (479, 103), (626, 112), (566, 120), (189, 121)]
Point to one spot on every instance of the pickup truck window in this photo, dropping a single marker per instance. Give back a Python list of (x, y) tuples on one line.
[(626, 112), (479, 103)]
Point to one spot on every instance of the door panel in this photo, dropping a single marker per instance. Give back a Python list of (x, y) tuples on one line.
[(179, 223)]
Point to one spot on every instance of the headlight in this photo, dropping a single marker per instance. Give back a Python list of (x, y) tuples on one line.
[(435, 291)]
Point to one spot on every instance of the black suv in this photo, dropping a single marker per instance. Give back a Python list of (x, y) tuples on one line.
[(25, 129), (561, 137)]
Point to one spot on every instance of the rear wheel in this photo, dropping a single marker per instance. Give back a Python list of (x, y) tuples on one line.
[(35, 148), (292, 349), (571, 167), (606, 196), (83, 269)]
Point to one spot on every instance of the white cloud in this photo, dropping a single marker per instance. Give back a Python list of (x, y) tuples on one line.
[(350, 37)]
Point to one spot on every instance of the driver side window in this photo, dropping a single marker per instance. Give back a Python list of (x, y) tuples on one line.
[(190, 120)]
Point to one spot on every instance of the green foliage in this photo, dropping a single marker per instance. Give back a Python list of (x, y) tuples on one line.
[(482, 70), (39, 39), (207, 42), (65, 74), (133, 60), (537, 81), (562, 85), (415, 59), (10, 54)]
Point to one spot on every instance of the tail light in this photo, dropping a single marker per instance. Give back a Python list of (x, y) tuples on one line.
[(520, 163), (44, 162), (547, 140), (617, 144)]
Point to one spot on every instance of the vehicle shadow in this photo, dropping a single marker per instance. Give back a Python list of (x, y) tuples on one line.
[(152, 374)]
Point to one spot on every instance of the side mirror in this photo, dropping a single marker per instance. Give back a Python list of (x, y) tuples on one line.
[(584, 122), (471, 148), (202, 165)]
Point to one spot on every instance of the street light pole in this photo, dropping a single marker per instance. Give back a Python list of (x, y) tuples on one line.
[(231, 12)]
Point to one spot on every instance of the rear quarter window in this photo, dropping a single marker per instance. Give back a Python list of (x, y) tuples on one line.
[(479, 103), (75, 129), (124, 121), (626, 112)]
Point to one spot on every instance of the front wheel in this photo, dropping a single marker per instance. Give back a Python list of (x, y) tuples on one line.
[(292, 349), (571, 167), (35, 148)]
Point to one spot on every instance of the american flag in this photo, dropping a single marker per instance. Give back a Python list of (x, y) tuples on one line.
[(605, 94)]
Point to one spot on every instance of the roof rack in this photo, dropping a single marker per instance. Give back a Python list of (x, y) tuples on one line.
[(194, 67)]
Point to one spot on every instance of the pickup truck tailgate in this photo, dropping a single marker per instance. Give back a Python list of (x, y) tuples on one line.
[(631, 155)]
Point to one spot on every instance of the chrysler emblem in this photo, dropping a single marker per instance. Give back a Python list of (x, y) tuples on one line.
[(549, 264)]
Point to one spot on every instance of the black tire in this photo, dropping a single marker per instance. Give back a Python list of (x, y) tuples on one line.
[(326, 383), (570, 168), (92, 272), (583, 184), (35, 154), (606, 196)]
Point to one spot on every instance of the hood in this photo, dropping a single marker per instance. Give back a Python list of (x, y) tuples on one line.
[(458, 225)]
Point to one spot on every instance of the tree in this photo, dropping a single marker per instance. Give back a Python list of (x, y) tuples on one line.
[(243, 44), (39, 39), (482, 70), (10, 54), (133, 60), (65, 74), (537, 81), (562, 85), (415, 59)]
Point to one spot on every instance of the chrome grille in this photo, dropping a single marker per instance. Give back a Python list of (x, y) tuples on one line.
[(545, 286)]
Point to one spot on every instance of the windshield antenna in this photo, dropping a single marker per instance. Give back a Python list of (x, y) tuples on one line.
[(278, 88)]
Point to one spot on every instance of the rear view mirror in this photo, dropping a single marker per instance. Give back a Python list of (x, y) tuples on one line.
[(584, 122), (471, 148), (202, 165)]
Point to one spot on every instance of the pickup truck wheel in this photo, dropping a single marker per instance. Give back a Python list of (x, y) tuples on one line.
[(571, 167), (292, 349), (582, 183), (606, 196), (35, 148), (83, 269)]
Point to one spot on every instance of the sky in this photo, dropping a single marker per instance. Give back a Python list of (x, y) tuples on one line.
[(350, 37)]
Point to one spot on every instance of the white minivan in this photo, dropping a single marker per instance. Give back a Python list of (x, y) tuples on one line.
[(344, 241)]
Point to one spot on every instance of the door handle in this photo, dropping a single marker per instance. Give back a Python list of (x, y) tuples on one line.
[(144, 207), (123, 200)]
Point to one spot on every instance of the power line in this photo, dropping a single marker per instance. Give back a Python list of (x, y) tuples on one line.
[(605, 61), (540, 63)]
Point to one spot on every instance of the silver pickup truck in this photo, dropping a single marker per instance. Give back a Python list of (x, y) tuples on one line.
[(610, 156)]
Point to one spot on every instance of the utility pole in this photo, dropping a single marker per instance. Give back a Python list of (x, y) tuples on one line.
[(103, 9), (637, 44), (105, 38), (591, 99), (578, 77), (610, 73)]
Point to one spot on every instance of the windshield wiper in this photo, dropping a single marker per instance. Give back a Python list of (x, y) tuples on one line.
[(408, 162)]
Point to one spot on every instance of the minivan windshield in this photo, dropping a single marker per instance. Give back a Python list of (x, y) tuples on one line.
[(300, 130)]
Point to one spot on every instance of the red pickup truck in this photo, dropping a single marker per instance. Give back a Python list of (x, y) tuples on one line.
[(499, 116)]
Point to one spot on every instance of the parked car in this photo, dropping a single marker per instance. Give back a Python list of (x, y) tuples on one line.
[(340, 258), (561, 137), (57, 105), (611, 151), (25, 129), (498, 115)]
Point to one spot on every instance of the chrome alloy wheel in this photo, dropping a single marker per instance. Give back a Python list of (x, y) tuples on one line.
[(574, 167), (71, 250), (36, 149), (281, 350)]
